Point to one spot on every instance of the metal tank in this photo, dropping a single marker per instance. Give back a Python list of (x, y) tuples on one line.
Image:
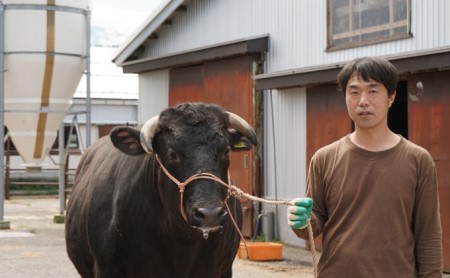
[(44, 59)]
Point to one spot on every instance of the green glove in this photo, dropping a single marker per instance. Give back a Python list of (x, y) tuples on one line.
[(299, 212)]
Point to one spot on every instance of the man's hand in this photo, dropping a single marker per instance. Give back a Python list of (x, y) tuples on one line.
[(299, 212)]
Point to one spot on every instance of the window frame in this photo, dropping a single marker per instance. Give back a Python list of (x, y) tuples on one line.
[(387, 26)]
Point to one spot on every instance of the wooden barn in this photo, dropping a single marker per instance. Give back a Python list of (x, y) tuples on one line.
[(275, 64)]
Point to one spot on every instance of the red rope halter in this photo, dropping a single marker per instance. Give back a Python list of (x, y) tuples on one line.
[(236, 192)]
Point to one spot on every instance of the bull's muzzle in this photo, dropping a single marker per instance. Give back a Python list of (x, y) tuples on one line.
[(209, 217)]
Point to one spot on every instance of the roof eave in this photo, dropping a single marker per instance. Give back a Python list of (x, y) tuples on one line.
[(245, 46), (406, 63), (149, 26)]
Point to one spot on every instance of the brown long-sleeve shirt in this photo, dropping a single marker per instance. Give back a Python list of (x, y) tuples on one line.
[(378, 211)]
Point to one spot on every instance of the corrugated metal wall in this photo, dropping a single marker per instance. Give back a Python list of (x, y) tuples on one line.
[(297, 30), (153, 94), (117, 113), (285, 153)]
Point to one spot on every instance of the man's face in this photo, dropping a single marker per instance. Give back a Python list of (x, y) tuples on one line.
[(367, 103)]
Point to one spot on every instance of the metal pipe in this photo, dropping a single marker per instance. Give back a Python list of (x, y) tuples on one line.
[(2, 108), (275, 174), (7, 167), (62, 168), (3, 224), (54, 53), (78, 130), (257, 226), (44, 7), (88, 79), (40, 111)]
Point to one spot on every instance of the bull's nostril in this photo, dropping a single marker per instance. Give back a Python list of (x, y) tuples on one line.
[(222, 214), (210, 217), (198, 215)]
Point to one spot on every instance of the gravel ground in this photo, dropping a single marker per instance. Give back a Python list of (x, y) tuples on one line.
[(282, 269), (34, 247)]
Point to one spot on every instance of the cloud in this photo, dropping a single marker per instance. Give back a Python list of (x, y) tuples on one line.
[(123, 21), (121, 16), (114, 20)]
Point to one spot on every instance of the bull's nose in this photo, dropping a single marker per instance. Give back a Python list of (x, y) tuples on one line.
[(210, 217)]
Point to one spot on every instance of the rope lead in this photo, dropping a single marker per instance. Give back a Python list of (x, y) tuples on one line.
[(237, 193)]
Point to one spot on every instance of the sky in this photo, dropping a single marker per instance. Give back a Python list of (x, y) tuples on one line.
[(123, 16), (112, 22)]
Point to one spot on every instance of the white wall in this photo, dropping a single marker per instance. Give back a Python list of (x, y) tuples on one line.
[(285, 150), (153, 94), (285, 154)]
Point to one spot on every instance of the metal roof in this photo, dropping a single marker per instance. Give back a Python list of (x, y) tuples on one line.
[(108, 80), (160, 16)]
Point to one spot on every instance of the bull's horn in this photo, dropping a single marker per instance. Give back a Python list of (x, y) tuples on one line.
[(148, 131), (242, 126)]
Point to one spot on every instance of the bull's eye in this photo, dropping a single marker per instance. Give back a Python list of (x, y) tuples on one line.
[(173, 157), (226, 153)]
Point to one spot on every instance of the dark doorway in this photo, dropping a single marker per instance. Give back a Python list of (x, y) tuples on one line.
[(398, 113), (429, 127)]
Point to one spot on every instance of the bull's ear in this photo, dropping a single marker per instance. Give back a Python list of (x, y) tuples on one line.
[(239, 142), (126, 139)]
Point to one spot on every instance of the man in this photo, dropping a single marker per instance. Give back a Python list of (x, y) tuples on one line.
[(375, 193)]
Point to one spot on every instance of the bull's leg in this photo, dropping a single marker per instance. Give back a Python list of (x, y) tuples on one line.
[(79, 253), (105, 272), (85, 270), (107, 267), (228, 273)]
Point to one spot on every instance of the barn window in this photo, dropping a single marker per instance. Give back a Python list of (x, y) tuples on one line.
[(354, 23)]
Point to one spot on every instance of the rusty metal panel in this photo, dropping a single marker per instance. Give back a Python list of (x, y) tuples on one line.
[(327, 120), (186, 84), (229, 84), (429, 126)]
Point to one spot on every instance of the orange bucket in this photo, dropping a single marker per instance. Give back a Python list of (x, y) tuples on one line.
[(261, 251)]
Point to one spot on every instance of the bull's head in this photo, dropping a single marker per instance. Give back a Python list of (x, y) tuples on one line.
[(189, 139)]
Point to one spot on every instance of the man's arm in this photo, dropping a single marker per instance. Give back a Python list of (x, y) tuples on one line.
[(315, 191), (427, 223)]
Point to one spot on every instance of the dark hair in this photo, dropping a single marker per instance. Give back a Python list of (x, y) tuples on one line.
[(367, 68)]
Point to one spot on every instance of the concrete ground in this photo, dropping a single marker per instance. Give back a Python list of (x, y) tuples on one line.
[(34, 247)]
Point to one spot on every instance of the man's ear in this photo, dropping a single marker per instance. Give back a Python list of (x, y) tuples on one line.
[(126, 139), (239, 142), (392, 98)]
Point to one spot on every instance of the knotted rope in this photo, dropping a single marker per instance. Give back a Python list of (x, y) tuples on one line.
[(239, 194)]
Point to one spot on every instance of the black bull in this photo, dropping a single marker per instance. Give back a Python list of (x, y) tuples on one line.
[(124, 217)]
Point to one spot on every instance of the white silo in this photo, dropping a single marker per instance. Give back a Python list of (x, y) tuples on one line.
[(44, 59)]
